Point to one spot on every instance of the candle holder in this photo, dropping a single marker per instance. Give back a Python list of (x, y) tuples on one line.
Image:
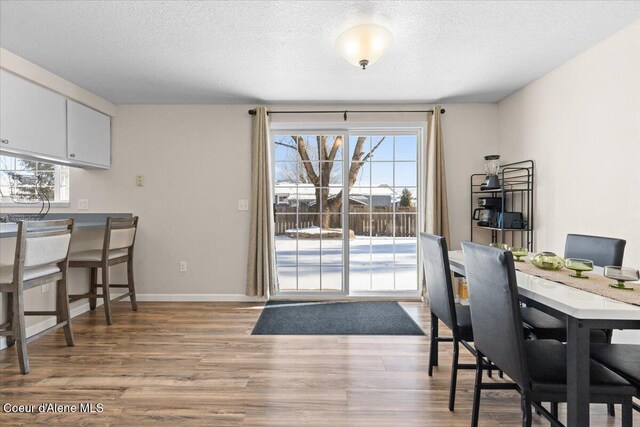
[(578, 266), (519, 253), (621, 275)]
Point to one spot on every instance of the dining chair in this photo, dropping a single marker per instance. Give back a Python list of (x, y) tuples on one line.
[(117, 248), (623, 359), (443, 308), (602, 251), (537, 367), (41, 257)]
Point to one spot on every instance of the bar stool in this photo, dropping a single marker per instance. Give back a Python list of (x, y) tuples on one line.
[(42, 250), (117, 248)]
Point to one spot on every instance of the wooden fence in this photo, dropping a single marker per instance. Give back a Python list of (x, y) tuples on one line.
[(380, 223)]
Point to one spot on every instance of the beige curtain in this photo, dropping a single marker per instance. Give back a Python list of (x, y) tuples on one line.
[(436, 210), (261, 274)]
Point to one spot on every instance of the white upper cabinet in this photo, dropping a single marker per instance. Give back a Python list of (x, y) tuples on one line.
[(32, 119), (88, 136)]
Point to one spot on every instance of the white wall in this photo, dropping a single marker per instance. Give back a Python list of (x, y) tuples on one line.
[(196, 161), (581, 125)]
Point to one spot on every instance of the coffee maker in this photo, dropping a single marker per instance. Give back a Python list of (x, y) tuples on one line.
[(487, 212)]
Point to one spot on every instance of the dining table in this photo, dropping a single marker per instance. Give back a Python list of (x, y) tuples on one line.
[(582, 311)]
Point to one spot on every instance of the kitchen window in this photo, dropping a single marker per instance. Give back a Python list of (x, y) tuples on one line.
[(30, 182)]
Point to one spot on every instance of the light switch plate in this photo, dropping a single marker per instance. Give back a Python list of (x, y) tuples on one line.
[(243, 205), (83, 204), (140, 180), (183, 266)]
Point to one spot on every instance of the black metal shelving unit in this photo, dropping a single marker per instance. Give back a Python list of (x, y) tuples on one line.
[(516, 191)]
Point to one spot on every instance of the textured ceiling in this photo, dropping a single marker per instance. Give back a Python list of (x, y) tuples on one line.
[(283, 51)]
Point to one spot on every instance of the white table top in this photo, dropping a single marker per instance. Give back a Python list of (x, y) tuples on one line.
[(571, 301)]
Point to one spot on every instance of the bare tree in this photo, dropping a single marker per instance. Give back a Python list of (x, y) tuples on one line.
[(321, 178)]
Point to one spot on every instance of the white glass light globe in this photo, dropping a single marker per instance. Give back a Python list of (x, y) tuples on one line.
[(363, 45)]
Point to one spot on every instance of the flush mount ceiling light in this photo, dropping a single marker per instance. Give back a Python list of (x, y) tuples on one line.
[(363, 45)]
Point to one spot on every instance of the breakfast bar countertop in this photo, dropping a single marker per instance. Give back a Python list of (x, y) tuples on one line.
[(82, 221)]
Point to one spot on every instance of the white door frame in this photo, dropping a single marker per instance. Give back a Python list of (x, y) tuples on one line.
[(366, 128)]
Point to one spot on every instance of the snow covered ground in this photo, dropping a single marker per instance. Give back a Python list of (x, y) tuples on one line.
[(376, 264)]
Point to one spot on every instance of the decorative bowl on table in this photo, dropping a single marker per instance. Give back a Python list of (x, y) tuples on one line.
[(578, 266), (502, 246), (518, 253), (621, 275), (547, 261)]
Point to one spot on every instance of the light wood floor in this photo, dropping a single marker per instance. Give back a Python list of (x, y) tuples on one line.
[(197, 364)]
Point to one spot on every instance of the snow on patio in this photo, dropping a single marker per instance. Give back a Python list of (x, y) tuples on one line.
[(372, 264)]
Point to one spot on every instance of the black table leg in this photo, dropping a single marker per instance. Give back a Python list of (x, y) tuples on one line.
[(578, 367)]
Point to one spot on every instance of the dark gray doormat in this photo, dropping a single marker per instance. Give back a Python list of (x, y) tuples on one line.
[(335, 318)]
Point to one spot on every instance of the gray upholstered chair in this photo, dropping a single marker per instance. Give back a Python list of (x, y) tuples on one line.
[(537, 367), (443, 308), (117, 248), (41, 257), (602, 251), (624, 359)]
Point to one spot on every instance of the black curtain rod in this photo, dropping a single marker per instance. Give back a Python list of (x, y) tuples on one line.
[(345, 112)]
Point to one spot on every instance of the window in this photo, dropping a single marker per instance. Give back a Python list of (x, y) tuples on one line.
[(31, 182)]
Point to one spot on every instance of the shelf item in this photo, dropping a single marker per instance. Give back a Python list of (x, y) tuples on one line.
[(501, 229), (516, 197)]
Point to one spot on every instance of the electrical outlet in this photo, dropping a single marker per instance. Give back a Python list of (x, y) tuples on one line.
[(243, 205), (83, 204), (44, 288), (183, 266), (140, 180)]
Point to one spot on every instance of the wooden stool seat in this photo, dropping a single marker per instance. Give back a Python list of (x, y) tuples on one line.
[(41, 257), (117, 248), (96, 255), (6, 273)]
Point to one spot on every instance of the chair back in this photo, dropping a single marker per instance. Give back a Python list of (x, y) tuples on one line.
[(495, 311), (41, 243), (601, 250), (435, 258), (120, 233)]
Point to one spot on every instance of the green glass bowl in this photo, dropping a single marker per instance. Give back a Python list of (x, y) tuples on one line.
[(519, 253), (578, 266), (547, 261), (621, 275), (502, 246)]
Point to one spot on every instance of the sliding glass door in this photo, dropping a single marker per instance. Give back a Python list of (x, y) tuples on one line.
[(383, 213), (346, 211), (308, 211)]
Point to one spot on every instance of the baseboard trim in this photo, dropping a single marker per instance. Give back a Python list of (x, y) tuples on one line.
[(50, 321), (199, 298), (47, 323)]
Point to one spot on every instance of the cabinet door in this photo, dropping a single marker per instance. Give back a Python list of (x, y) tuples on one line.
[(32, 119), (88, 136)]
